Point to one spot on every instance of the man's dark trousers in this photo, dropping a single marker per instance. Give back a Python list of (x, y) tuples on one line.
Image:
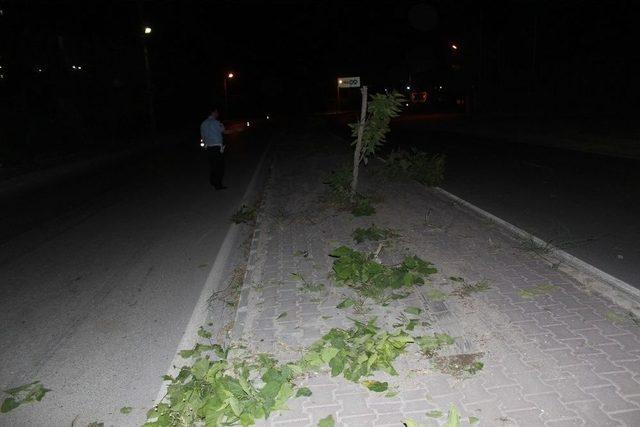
[(216, 166)]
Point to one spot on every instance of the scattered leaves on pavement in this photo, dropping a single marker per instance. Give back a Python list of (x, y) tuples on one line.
[(304, 392), (361, 272), (372, 233), (327, 422), (459, 365), (26, 393), (204, 333), (536, 291), (467, 288), (358, 352), (413, 310), (376, 386), (430, 344), (346, 303), (245, 214)]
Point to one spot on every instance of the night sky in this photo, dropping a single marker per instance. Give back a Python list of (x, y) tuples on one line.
[(563, 57)]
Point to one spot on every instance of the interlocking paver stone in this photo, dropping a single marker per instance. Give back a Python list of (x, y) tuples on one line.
[(555, 359)]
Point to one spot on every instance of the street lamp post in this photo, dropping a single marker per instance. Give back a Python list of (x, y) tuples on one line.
[(226, 96), (147, 69)]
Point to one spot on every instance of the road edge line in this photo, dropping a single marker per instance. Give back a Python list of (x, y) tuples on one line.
[(214, 278), (621, 289)]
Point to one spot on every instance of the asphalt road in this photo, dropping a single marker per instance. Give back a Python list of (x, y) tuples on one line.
[(588, 205), (99, 276)]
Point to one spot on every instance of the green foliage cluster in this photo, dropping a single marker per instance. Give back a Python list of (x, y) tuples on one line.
[(246, 215), (381, 109), (26, 393), (223, 392), (372, 233), (358, 352), (377, 281), (425, 168), (339, 183), (241, 390)]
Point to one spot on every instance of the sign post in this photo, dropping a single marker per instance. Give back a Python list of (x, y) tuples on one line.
[(344, 83)]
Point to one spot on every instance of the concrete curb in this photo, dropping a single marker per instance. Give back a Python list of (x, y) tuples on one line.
[(213, 282), (609, 286)]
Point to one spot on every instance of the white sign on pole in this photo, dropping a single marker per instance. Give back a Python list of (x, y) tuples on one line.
[(348, 82)]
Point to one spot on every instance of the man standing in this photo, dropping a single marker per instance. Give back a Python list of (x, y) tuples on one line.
[(211, 131)]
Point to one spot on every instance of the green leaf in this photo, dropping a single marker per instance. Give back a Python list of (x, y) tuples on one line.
[(327, 422), (454, 417), (411, 324), (348, 302), (411, 423), (434, 414), (281, 315), (235, 405), (286, 391), (473, 420), (413, 310), (126, 410), (196, 351), (376, 386), (337, 365), (328, 353), (9, 404), (204, 333), (303, 392), (23, 394)]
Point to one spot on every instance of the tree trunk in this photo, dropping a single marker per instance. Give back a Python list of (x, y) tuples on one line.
[(357, 152)]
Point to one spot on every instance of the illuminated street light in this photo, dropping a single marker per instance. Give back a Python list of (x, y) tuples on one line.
[(248, 124), (454, 46), (147, 30), (408, 87), (229, 76), (340, 81)]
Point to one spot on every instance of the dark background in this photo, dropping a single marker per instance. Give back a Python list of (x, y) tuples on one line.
[(562, 57)]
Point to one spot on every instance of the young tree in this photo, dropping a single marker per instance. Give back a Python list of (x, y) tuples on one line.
[(371, 131)]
